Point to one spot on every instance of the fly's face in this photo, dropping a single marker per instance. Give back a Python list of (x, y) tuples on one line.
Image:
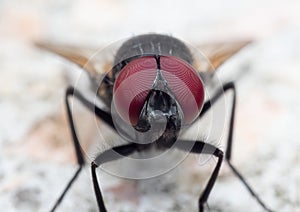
[(154, 93)]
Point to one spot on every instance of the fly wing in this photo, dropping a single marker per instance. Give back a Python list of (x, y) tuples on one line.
[(81, 56), (218, 53), (98, 66)]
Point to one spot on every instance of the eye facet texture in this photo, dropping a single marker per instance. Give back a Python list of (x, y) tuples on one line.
[(137, 77)]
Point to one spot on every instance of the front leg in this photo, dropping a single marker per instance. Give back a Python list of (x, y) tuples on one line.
[(200, 147), (231, 87), (107, 156)]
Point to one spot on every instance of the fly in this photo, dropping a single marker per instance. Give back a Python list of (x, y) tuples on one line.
[(154, 88)]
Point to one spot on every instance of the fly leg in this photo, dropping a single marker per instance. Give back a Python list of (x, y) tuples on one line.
[(200, 147), (106, 117), (103, 115), (231, 87), (106, 156)]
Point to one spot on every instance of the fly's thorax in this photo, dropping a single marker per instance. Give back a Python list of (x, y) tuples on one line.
[(152, 44)]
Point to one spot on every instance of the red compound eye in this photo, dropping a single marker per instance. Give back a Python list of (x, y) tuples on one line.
[(132, 87), (136, 79), (185, 84)]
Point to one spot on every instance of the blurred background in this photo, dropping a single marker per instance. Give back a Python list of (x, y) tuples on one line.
[(36, 156)]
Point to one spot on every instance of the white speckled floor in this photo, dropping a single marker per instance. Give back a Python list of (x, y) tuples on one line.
[(36, 157)]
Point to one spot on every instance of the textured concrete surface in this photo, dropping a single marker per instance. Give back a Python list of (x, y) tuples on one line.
[(36, 156)]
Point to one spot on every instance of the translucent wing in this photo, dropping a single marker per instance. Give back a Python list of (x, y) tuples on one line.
[(96, 62), (218, 53), (81, 56)]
